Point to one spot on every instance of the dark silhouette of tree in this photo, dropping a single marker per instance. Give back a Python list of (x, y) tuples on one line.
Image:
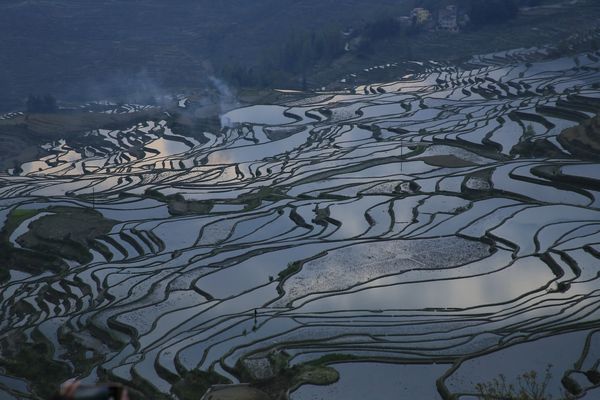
[(493, 11), (50, 104), (41, 104), (381, 29), (300, 52)]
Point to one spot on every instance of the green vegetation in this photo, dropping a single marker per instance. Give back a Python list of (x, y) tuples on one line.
[(334, 358), (33, 361), (529, 131), (67, 233), (583, 140), (83, 357), (292, 268), (296, 44), (17, 217), (21, 136), (64, 125), (297, 55), (210, 36), (304, 60), (449, 161), (195, 383), (20, 259), (490, 11), (41, 104), (528, 387), (286, 378), (255, 199), (533, 148), (178, 205), (319, 375), (186, 125)]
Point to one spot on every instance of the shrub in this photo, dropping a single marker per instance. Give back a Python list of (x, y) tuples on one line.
[(528, 387)]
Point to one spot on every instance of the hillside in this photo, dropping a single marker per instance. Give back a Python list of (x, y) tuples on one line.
[(94, 47), (131, 50)]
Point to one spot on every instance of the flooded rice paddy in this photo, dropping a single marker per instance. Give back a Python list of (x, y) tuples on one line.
[(402, 226)]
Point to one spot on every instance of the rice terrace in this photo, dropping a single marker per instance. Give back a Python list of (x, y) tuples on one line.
[(433, 236)]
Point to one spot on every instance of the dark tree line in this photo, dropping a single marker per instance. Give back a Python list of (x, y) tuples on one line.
[(300, 53), (41, 104), (381, 29), (297, 55), (492, 11)]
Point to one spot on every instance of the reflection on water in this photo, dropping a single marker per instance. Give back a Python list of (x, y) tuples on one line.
[(168, 147), (407, 225), (523, 277), (259, 115)]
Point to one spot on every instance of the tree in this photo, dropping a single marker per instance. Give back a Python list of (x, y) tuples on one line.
[(41, 104), (492, 11), (381, 29), (49, 104)]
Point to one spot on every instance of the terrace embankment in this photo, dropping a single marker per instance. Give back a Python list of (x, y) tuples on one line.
[(434, 220), (59, 233), (67, 232), (21, 137), (272, 376), (583, 140)]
